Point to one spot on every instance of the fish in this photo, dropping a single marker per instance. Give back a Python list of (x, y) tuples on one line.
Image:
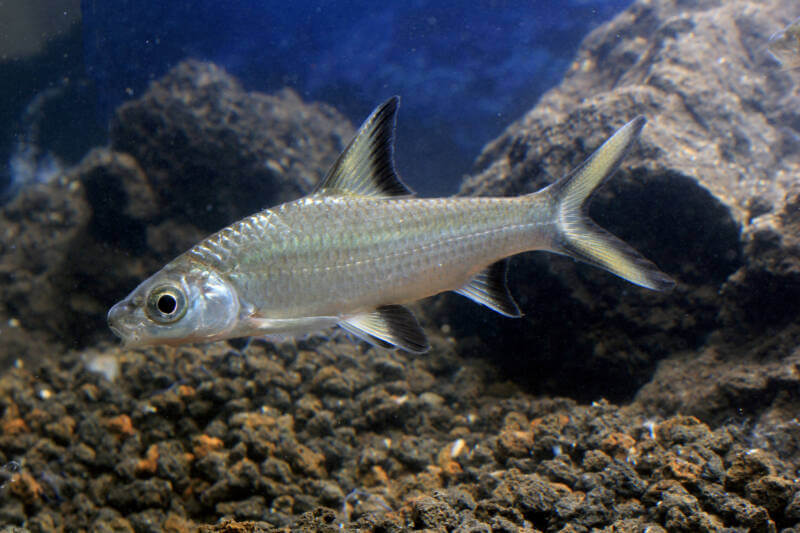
[(785, 46), (361, 246)]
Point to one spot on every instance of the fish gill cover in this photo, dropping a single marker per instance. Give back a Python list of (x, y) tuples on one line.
[(471, 68)]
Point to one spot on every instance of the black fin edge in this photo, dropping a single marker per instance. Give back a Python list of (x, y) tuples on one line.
[(389, 326), (404, 328), (490, 288), (372, 173)]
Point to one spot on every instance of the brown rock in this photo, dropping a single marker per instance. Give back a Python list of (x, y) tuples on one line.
[(746, 467), (618, 445), (308, 462), (709, 194), (203, 444), (177, 524), (62, 429), (771, 492), (149, 464), (14, 426), (121, 425), (25, 487), (514, 443), (681, 430), (683, 471)]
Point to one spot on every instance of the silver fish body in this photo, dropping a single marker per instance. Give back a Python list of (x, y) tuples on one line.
[(358, 248), (328, 256)]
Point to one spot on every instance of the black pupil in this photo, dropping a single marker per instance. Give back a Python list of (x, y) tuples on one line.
[(167, 304)]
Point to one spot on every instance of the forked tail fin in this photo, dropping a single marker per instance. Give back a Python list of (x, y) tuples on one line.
[(577, 236)]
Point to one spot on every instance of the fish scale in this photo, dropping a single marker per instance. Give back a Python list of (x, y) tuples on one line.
[(330, 265), (357, 249)]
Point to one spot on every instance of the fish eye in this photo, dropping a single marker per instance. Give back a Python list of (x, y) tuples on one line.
[(166, 304)]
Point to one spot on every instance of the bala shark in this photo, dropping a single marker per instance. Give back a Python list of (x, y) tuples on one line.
[(354, 251)]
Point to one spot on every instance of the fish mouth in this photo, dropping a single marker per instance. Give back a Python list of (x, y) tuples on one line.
[(116, 320), (116, 331), (128, 340)]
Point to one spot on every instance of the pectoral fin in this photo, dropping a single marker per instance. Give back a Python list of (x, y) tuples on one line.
[(390, 325), (489, 288)]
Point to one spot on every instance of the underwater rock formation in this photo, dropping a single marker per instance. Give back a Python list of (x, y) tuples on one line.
[(214, 153), (194, 153), (40, 229), (710, 195)]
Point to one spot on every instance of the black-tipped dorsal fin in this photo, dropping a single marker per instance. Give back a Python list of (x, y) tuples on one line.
[(366, 167), (391, 325), (489, 288)]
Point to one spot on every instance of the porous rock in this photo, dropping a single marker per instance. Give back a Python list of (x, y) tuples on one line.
[(195, 153), (709, 193)]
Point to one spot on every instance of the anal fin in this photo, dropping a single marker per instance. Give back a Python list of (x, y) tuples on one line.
[(390, 325), (489, 288)]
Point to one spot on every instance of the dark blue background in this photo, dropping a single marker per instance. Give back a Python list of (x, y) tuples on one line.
[(464, 69)]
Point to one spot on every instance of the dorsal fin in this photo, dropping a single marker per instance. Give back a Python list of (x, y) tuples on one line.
[(366, 167), (489, 288)]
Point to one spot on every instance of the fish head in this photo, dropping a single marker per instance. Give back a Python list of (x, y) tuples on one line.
[(181, 303)]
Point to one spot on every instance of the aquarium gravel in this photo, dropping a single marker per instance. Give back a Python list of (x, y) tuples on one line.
[(331, 436)]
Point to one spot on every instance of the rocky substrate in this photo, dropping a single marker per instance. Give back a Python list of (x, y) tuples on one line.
[(193, 154), (710, 194), (334, 436)]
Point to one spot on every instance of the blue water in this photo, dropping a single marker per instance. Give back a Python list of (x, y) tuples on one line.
[(464, 69)]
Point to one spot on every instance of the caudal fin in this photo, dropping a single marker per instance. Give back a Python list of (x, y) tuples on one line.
[(577, 236)]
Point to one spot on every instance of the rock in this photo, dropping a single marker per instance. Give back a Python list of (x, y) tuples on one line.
[(203, 445), (173, 463), (747, 467), (148, 521), (306, 461), (253, 508), (25, 488), (514, 443), (676, 504), (107, 522), (709, 193), (771, 492), (427, 512), (81, 242), (41, 229), (792, 510), (140, 494), (682, 430), (249, 149), (733, 508)]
